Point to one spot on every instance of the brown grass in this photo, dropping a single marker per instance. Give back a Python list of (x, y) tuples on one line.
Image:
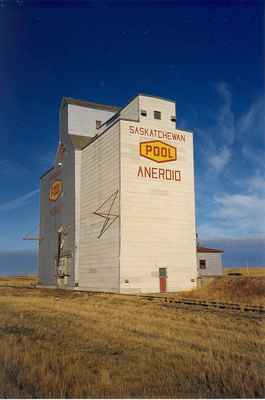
[(64, 344), (238, 289), (19, 281), (259, 271)]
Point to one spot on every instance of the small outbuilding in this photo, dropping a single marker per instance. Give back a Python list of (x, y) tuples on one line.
[(210, 262)]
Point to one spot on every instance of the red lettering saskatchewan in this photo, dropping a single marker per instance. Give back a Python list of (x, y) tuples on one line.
[(177, 136)]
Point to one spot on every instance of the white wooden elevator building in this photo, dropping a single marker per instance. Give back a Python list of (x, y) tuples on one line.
[(117, 208)]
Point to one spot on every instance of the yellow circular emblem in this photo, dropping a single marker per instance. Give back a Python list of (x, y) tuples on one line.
[(55, 190)]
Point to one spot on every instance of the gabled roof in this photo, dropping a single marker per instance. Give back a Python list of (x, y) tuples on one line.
[(89, 104), (208, 250)]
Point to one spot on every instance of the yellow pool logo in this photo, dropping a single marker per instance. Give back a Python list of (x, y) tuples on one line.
[(158, 151), (55, 190)]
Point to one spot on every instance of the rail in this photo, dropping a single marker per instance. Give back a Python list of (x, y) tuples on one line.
[(167, 300), (211, 304)]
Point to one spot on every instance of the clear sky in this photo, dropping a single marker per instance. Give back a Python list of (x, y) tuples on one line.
[(207, 56)]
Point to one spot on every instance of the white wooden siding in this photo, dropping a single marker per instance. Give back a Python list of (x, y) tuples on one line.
[(64, 218), (78, 162), (156, 224), (82, 120), (48, 231), (100, 177), (167, 109), (131, 111), (214, 264), (157, 218)]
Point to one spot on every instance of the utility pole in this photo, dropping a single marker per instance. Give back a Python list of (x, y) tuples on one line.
[(247, 268)]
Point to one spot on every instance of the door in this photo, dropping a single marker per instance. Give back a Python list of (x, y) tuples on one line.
[(163, 280)]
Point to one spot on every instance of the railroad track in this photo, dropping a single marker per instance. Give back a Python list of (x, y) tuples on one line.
[(181, 301), (207, 304)]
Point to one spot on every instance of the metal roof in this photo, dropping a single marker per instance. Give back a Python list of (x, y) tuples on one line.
[(79, 142), (208, 250), (46, 172), (89, 104)]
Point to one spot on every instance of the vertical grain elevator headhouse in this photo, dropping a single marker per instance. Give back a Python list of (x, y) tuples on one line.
[(117, 208)]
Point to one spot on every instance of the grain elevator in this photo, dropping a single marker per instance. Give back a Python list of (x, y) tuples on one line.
[(117, 210)]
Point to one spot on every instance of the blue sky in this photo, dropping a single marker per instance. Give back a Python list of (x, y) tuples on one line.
[(208, 56)]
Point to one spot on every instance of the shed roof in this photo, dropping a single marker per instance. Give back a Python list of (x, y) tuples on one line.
[(208, 250), (46, 172), (89, 104), (79, 141)]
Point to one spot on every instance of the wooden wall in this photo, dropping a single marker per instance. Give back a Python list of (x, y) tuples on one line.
[(157, 216), (214, 264), (100, 187)]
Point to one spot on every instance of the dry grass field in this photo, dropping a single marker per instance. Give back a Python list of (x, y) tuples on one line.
[(18, 281), (259, 271), (55, 343), (232, 289)]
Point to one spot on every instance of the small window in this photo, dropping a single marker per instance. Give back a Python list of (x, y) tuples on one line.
[(143, 113), (157, 115), (202, 264), (98, 123), (173, 119), (162, 272)]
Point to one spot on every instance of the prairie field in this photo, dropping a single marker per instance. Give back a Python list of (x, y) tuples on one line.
[(232, 289), (258, 271), (18, 281), (57, 344)]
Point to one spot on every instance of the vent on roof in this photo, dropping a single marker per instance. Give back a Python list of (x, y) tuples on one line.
[(173, 119), (143, 113), (157, 115), (98, 123)]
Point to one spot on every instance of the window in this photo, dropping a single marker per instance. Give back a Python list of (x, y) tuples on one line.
[(202, 264), (157, 115), (98, 123), (162, 272), (143, 113)]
